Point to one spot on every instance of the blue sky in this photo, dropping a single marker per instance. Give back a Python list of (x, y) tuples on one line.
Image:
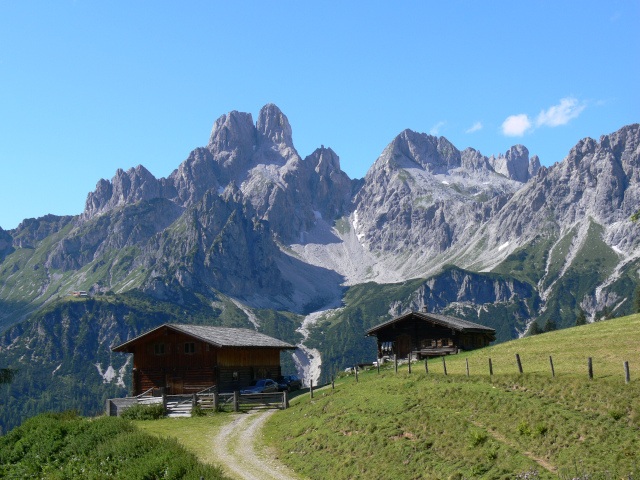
[(90, 87)]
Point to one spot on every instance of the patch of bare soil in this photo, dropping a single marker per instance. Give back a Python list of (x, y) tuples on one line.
[(235, 449)]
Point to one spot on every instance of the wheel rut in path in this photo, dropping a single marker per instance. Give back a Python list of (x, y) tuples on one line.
[(234, 448)]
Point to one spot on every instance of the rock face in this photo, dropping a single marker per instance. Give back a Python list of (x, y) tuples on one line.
[(597, 180), (515, 164), (423, 184)]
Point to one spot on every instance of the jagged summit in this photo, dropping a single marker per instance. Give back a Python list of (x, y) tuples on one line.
[(515, 164), (232, 130), (273, 125)]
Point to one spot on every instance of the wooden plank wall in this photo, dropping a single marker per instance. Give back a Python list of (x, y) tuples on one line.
[(174, 356), (206, 366)]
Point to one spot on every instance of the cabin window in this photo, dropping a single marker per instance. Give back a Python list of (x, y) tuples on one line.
[(386, 347), (235, 376), (190, 347), (158, 349)]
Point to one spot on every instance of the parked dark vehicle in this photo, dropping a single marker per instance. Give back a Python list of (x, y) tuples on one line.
[(261, 386), (289, 383)]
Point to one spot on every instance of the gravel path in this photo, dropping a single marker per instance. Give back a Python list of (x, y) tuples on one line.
[(234, 449)]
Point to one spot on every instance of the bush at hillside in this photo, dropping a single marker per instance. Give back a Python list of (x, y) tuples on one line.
[(66, 446), (143, 412)]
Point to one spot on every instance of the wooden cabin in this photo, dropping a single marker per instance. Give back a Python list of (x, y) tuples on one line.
[(424, 334), (190, 358)]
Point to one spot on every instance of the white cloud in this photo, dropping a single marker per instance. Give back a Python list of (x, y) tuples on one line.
[(476, 126), (516, 125), (435, 130), (560, 114)]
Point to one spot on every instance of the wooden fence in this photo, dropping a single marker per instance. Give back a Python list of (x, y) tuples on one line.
[(208, 399)]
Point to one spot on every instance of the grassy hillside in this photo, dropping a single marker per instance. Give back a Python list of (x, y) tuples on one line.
[(418, 425)]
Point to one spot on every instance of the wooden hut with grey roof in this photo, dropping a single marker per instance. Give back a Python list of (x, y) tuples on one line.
[(189, 358), (424, 334)]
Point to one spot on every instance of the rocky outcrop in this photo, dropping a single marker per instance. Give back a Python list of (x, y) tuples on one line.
[(422, 194), (33, 230), (216, 243), (515, 164), (125, 188), (597, 180)]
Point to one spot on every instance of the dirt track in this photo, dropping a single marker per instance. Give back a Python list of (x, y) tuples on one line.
[(234, 448)]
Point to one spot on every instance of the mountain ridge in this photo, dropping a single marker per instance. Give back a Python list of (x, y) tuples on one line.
[(247, 219)]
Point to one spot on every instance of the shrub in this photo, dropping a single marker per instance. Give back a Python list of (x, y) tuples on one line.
[(144, 412), (524, 429), (492, 453), (477, 437), (616, 414), (541, 430), (197, 411), (64, 446)]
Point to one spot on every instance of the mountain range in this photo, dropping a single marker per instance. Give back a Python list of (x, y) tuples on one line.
[(246, 232)]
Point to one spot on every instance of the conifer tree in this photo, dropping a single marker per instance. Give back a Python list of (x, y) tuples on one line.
[(534, 329), (636, 299), (582, 318), (6, 375)]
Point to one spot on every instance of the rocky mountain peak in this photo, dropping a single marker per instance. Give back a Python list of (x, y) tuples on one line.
[(534, 166), (125, 187), (326, 160), (472, 159), (434, 154), (231, 130), (515, 164), (273, 125)]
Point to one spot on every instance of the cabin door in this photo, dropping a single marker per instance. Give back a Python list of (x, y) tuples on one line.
[(404, 345), (175, 384)]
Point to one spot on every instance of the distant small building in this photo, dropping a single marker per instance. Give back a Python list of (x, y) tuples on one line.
[(425, 334), (190, 358)]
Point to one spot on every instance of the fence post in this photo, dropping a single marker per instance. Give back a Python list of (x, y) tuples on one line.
[(236, 401), (355, 369), (311, 388), (216, 401), (409, 362), (627, 377), (444, 365), (108, 409), (194, 401), (426, 366), (467, 360), (285, 399), (332, 384), (519, 362), (395, 362), (490, 367), (590, 365), (378, 366), (553, 372), (164, 403)]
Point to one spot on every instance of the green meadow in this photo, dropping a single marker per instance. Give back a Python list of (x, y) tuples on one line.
[(422, 425)]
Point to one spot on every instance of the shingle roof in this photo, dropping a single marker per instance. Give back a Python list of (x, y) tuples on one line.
[(445, 320), (219, 337)]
